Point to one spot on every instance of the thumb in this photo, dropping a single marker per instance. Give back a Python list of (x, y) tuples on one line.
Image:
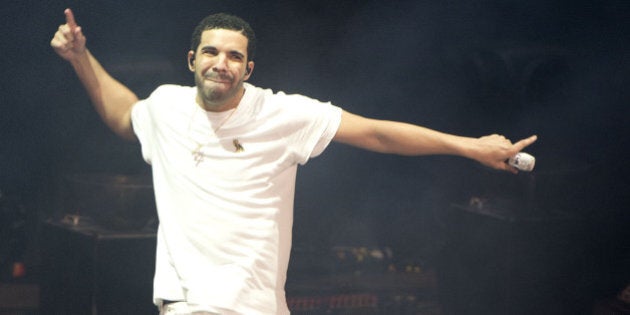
[(78, 36)]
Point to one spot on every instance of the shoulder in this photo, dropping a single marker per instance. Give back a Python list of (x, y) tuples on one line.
[(296, 107), (290, 101), (167, 95), (172, 90), (267, 94), (166, 99)]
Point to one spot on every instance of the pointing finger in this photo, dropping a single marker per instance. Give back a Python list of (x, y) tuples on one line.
[(525, 142), (70, 19)]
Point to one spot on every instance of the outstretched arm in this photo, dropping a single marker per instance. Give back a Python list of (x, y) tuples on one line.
[(407, 139), (111, 99)]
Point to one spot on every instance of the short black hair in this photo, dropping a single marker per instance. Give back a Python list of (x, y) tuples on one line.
[(228, 22)]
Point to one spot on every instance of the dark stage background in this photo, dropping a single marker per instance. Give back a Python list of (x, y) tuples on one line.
[(558, 69)]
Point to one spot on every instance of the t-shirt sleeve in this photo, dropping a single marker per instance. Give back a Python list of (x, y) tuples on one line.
[(141, 127), (329, 126), (319, 122)]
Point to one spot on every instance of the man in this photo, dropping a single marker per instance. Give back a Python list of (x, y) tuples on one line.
[(224, 156)]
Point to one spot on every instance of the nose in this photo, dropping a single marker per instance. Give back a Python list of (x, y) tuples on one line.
[(221, 63)]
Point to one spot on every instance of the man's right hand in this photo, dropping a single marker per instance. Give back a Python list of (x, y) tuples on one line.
[(69, 41), (111, 99)]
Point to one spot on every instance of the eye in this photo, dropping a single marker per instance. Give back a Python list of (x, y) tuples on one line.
[(237, 56), (209, 51)]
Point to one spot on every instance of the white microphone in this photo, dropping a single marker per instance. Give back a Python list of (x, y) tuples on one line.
[(523, 161)]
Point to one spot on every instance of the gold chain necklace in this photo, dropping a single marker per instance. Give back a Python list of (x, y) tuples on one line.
[(216, 130), (198, 155)]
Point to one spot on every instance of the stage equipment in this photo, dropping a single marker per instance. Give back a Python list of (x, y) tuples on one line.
[(88, 269), (112, 201)]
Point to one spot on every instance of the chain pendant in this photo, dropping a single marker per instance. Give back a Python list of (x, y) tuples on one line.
[(197, 155)]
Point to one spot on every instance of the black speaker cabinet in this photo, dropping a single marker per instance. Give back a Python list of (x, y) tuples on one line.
[(91, 270)]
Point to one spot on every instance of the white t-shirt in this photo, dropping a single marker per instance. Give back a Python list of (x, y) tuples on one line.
[(225, 198)]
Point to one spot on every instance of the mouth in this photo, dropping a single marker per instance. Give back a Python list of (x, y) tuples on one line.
[(218, 79)]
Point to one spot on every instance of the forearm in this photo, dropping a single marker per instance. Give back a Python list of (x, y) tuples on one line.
[(111, 99), (407, 139), (399, 138)]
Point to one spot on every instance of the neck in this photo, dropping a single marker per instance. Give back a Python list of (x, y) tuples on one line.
[(221, 106)]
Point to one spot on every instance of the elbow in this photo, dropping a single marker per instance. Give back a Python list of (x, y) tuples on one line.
[(128, 136), (123, 127), (123, 131)]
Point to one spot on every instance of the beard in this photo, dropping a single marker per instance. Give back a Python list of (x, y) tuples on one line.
[(214, 94)]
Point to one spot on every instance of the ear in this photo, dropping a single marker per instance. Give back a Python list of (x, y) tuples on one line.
[(191, 61), (249, 68)]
